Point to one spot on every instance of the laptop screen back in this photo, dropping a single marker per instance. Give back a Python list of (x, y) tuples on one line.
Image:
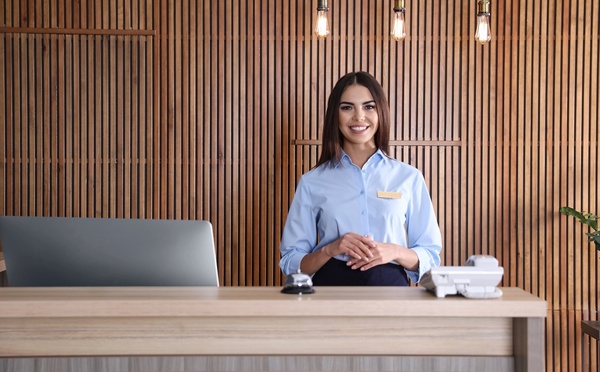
[(62, 251)]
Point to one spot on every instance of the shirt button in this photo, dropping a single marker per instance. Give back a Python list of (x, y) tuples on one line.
[(364, 212), (362, 192)]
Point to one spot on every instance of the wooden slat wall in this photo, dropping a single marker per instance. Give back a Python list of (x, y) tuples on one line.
[(212, 110)]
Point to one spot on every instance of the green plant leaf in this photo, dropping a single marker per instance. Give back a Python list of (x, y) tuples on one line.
[(594, 237), (568, 211), (589, 219), (592, 220)]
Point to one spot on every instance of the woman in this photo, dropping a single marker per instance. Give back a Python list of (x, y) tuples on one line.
[(360, 217)]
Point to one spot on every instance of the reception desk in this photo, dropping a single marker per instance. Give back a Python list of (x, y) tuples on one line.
[(261, 329)]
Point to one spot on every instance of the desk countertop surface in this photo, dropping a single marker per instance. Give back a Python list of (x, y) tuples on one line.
[(26, 302)]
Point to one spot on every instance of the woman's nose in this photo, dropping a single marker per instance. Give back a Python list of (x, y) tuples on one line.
[(359, 115)]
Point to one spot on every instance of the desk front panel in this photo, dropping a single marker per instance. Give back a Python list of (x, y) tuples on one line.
[(311, 335)]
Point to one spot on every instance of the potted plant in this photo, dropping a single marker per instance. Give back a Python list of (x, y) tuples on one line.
[(589, 327), (589, 219)]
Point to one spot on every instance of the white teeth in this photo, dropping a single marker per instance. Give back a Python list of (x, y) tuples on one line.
[(358, 128)]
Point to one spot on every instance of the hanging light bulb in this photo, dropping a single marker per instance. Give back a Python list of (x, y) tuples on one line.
[(322, 27), (399, 25), (483, 33)]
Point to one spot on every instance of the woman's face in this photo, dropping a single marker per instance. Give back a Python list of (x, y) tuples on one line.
[(358, 118)]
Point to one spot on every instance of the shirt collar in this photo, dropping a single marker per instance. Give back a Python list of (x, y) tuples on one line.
[(376, 157)]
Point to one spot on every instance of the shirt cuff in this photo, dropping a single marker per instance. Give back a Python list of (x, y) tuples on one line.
[(294, 264), (424, 264)]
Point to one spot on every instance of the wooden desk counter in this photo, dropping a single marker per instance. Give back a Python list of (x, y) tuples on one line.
[(261, 321)]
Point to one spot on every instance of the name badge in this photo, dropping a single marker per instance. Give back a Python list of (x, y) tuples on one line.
[(389, 194)]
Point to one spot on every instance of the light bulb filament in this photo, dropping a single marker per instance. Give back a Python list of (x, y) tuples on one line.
[(483, 34), (322, 27), (399, 26)]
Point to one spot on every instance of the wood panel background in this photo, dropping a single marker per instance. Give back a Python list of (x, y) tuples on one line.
[(213, 109)]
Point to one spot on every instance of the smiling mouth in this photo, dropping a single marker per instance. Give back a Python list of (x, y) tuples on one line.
[(360, 128)]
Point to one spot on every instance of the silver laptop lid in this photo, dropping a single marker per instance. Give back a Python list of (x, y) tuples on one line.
[(61, 251)]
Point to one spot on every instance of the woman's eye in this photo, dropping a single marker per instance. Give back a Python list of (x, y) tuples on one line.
[(346, 107), (370, 107)]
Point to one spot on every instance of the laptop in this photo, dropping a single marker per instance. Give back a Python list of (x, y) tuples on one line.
[(65, 251)]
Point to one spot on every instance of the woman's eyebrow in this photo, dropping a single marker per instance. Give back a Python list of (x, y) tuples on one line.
[(351, 103)]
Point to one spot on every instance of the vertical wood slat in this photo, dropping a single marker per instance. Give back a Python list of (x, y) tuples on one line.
[(199, 121)]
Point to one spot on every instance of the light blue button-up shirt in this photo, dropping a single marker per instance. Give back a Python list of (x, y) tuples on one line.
[(386, 199)]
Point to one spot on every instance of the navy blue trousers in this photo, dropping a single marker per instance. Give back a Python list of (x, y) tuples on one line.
[(337, 273)]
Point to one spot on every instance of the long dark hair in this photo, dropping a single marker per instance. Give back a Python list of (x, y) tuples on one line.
[(332, 137)]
